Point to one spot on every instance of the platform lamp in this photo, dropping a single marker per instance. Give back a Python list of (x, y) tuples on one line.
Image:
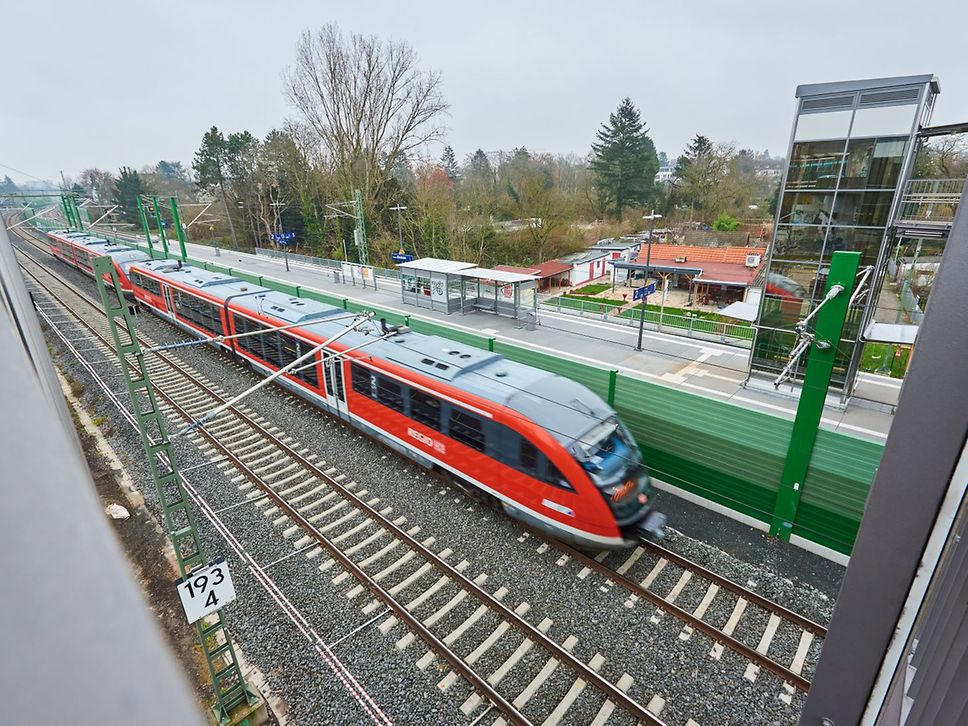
[(645, 276), (399, 210)]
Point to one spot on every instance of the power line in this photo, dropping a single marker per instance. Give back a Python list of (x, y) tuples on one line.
[(20, 171)]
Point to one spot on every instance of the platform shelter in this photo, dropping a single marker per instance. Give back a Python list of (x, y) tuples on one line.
[(449, 286)]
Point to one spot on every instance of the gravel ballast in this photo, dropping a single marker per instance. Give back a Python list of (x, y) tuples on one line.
[(681, 671)]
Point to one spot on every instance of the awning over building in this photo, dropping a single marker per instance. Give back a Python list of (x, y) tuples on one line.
[(891, 333), (741, 311)]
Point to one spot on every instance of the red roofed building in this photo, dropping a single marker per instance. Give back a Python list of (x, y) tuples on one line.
[(550, 274), (713, 275)]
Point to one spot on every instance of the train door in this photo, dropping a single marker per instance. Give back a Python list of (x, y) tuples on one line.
[(335, 391), (169, 300)]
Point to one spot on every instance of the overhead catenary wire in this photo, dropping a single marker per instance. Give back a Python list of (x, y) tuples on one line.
[(200, 421), (662, 353)]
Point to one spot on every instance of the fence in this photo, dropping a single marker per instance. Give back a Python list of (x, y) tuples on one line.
[(688, 325), (324, 262), (714, 449), (931, 201)]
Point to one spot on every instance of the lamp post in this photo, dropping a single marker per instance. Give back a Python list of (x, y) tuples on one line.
[(645, 277), (399, 210)]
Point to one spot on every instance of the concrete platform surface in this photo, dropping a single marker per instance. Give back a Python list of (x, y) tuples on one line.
[(710, 369)]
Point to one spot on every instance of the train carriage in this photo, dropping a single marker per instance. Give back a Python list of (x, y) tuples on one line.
[(545, 448), (78, 248)]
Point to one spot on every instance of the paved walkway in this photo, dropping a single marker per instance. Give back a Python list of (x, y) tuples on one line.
[(707, 368)]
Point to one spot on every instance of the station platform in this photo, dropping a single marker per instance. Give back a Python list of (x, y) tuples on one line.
[(706, 368)]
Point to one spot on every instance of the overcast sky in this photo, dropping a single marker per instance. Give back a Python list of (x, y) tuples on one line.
[(128, 83)]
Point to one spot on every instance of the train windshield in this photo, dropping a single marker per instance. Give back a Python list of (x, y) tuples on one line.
[(606, 449)]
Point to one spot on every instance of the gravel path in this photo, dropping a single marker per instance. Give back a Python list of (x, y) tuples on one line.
[(598, 614)]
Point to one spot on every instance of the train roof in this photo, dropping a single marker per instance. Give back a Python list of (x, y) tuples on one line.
[(101, 246), (566, 409)]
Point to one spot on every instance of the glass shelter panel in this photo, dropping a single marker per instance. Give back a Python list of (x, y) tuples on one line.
[(799, 242), (873, 163), (815, 165), (806, 207)]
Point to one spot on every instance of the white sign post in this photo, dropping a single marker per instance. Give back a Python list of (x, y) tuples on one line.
[(206, 590)]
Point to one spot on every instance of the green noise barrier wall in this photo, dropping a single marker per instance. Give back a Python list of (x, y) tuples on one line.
[(716, 450)]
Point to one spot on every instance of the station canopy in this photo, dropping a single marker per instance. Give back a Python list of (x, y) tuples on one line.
[(451, 286), (505, 276), (434, 264)]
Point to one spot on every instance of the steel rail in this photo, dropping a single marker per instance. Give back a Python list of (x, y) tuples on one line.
[(477, 682), (278, 596), (751, 654), (582, 669), (774, 607)]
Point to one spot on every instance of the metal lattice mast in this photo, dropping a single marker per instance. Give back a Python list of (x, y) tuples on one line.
[(360, 230), (176, 221), (144, 224), (161, 227), (223, 667)]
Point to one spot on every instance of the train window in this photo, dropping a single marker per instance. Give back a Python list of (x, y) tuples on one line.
[(200, 312), (467, 428), (425, 409), (554, 477), (389, 393), (293, 348), (527, 458), (289, 349), (362, 380), (146, 283)]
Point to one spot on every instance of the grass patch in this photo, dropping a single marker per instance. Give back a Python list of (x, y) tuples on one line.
[(873, 359), (603, 300), (592, 289)]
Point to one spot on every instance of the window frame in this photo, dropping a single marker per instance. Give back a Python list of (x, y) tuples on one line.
[(465, 432)]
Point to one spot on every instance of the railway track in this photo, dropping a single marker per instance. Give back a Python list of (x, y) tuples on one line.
[(322, 514), (339, 523)]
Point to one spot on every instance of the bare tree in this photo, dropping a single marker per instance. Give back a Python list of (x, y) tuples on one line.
[(98, 183), (366, 101)]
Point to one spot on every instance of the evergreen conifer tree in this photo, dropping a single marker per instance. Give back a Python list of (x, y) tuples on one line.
[(127, 188), (449, 162), (625, 162)]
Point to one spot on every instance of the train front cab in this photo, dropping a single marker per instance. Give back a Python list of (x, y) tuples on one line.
[(505, 455)]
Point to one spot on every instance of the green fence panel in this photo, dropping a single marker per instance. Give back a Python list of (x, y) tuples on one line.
[(717, 450), (247, 276), (283, 287), (836, 488), (321, 297), (212, 267), (392, 317), (429, 328), (596, 379)]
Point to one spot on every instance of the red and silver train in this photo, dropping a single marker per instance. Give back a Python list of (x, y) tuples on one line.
[(549, 451), (77, 249)]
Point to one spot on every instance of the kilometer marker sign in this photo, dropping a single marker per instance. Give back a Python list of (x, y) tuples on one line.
[(206, 590)]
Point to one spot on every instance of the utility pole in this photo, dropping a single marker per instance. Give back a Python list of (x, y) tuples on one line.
[(359, 228), (399, 210), (645, 276), (156, 210)]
